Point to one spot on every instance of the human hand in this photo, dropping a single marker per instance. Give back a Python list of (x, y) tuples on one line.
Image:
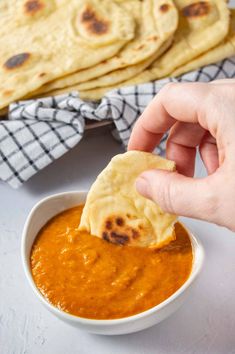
[(197, 115)]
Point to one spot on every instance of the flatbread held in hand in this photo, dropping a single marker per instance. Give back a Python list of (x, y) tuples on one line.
[(116, 212)]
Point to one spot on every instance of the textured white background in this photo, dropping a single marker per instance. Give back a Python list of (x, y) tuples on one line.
[(205, 324)]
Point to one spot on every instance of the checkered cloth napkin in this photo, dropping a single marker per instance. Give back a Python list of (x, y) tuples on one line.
[(40, 131)]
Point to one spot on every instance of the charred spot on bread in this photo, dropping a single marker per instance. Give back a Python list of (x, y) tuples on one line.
[(164, 8), (120, 221), (119, 238), (16, 61), (33, 6), (197, 9), (94, 24)]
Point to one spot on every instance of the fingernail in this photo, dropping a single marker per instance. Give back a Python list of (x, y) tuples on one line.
[(142, 186)]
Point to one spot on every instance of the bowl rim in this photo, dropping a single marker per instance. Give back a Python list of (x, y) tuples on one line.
[(198, 259)]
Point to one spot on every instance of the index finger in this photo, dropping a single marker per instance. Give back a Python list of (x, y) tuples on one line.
[(174, 102)]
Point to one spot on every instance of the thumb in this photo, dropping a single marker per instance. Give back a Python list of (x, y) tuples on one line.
[(178, 194)]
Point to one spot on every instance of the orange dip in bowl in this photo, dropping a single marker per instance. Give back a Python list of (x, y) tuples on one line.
[(90, 277)]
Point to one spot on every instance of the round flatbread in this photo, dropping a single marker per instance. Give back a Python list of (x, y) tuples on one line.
[(72, 36), (156, 22), (115, 78), (202, 26), (222, 51), (116, 212)]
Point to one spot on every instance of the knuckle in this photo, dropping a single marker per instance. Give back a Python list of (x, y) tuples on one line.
[(165, 193), (167, 87), (210, 98), (211, 201), (208, 116)]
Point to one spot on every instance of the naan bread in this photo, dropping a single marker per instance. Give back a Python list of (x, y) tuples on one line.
[(202, 25), (114, 77), (224, 50), (116, 212), (17, 13), (117, 76), (156, 22), (72, 36)]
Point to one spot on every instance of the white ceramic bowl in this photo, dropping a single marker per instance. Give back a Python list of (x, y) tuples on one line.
[(49, 207)]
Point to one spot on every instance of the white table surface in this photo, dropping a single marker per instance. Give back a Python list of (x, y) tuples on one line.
[(205, 324)]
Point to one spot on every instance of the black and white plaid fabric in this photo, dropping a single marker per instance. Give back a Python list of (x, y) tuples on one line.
[(40, 131)]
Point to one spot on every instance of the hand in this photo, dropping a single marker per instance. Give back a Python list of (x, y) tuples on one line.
[(197, 115)]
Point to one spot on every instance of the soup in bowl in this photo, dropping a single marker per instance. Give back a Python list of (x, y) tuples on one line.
[(99, 286)]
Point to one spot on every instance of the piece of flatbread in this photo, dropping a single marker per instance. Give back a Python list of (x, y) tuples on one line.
[(222, 51), (116, 212), (202, 26), (156, 22), (56, 42), (115, 77)]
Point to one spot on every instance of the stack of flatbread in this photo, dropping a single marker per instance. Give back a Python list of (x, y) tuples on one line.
[(50, 47)]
